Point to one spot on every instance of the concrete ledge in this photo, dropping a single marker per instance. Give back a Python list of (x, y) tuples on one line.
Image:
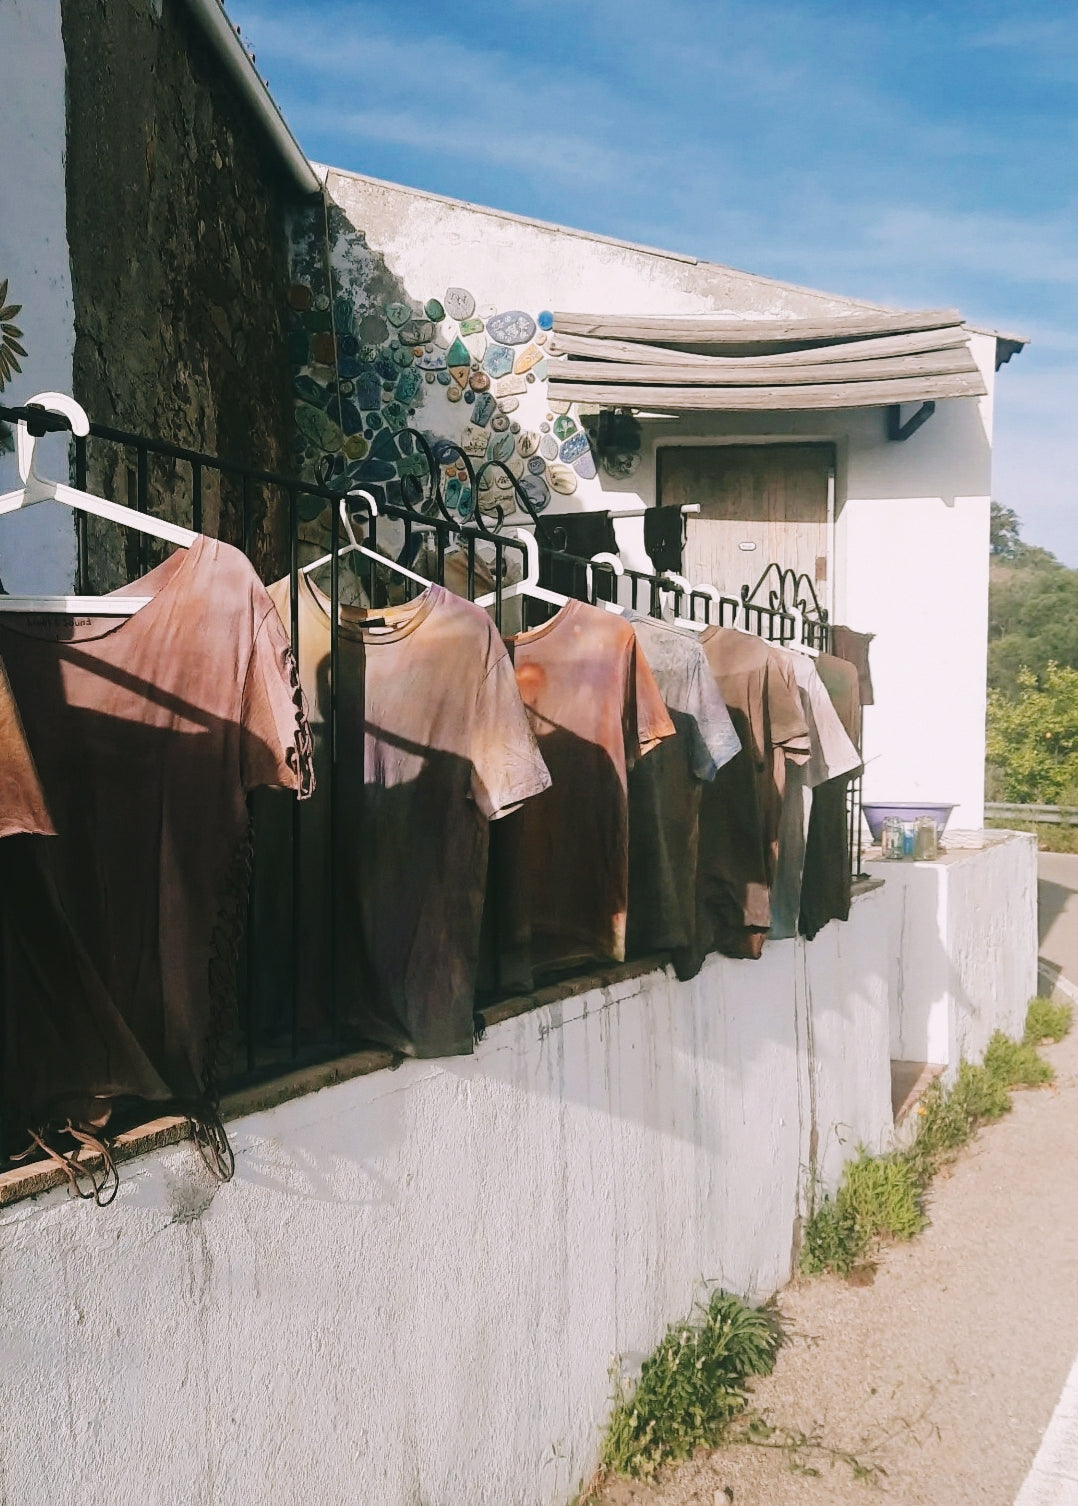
[(42, 1176)]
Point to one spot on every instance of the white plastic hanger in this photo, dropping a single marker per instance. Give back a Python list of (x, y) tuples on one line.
[(605, 558), (529, 584), (355, 547), (678, 582), (38, 488), (797, 643)]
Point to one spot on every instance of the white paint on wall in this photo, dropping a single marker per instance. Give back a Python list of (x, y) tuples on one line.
[(959, 950), (414, 1287), (37, 548), (911, 527)]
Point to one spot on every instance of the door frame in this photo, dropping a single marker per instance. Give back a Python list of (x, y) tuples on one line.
[(709, 441)]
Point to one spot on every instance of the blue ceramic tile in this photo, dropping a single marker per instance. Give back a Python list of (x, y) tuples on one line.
[(574, 447), (514, 327), (536, 490), (483, 410), (498, 360), (584, 465), (545, 320), (408, 384)]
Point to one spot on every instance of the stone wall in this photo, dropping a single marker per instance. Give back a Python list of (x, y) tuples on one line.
[(177, 231)]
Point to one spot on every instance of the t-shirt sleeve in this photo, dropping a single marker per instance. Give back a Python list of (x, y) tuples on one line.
[(714, 737), (649, 721), (275, 739), (507, 766), (22, 802), (786, 717), (833, 752)]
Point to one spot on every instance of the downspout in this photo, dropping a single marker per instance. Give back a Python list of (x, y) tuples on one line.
[(223, 37)]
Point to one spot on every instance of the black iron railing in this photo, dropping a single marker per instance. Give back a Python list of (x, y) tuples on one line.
[(247, 506)]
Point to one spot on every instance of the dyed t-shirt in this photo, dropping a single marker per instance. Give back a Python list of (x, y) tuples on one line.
[(22, 803), (560, 879), (432, 745), (664, 794), (741, 808), (832, 755), (825, 886), (119, 932)]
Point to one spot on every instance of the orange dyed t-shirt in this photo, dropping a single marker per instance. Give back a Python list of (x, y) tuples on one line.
[(22, 804), (560, 866)]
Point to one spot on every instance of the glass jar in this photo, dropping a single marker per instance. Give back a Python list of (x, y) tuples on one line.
[(926, 839), (891, 838)]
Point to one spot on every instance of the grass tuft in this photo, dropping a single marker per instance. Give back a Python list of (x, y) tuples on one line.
[(882, 1197), (690, 1389), (1046, 1021)]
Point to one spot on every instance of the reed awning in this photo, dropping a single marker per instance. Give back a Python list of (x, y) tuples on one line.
[(856, 361)]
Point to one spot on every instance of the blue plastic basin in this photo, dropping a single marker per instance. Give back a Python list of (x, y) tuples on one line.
[(877, 811)]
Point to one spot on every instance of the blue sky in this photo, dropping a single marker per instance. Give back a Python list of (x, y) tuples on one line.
[(909, 154)]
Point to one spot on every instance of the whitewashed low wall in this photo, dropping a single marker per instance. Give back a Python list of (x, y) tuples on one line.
[(412, 1291), (961, 960)]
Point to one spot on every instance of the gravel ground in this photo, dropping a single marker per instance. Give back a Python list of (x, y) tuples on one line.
[(943, 1372)]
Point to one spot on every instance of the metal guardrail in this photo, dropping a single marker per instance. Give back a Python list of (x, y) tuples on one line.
[(1049, 815)]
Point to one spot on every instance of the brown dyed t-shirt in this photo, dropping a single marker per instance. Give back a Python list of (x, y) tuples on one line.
[(432, 745), (664, 794), (22, 803), (741, 808), (119, 933), (560, 880)]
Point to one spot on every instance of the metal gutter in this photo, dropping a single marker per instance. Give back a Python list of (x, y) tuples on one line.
[(222, 35)]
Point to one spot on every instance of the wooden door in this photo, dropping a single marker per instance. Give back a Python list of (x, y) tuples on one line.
[(758, 504)]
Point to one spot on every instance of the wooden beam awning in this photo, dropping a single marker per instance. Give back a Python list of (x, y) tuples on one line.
[(857, 361)]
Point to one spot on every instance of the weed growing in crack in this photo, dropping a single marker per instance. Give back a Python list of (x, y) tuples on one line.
[(882, 1197), (690, 1388)]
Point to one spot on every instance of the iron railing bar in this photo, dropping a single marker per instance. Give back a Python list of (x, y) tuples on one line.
[(295, 850), (82, 578), (334, 694)]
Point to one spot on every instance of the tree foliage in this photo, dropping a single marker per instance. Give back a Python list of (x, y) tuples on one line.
[(1032, 607), (1032, 744)]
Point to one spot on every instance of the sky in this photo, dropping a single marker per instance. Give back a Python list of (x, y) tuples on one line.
[(908, 154)]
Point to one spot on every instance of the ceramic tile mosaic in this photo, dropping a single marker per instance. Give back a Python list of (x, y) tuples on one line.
[(377, 360)]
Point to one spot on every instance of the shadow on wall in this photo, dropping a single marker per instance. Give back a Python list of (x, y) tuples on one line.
[(369, 359)]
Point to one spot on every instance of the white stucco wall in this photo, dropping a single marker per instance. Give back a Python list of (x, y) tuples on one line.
[(413, 1289), (37, 548), (911, 529), (962, 946)]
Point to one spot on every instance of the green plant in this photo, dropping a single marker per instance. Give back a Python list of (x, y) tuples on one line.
[(690, 1388), (831, 1239), (879, 1197), (1032, 739), (882, 1197), (1016, 1063), (1046, 1021)]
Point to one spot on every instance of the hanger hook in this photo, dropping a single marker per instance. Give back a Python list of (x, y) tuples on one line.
[(26, 443)]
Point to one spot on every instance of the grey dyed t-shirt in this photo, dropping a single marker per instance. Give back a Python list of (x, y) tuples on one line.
[(664, 792), (832, 755)]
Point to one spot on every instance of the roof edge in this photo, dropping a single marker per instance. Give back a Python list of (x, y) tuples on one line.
[(222, 35), (607, 240)]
